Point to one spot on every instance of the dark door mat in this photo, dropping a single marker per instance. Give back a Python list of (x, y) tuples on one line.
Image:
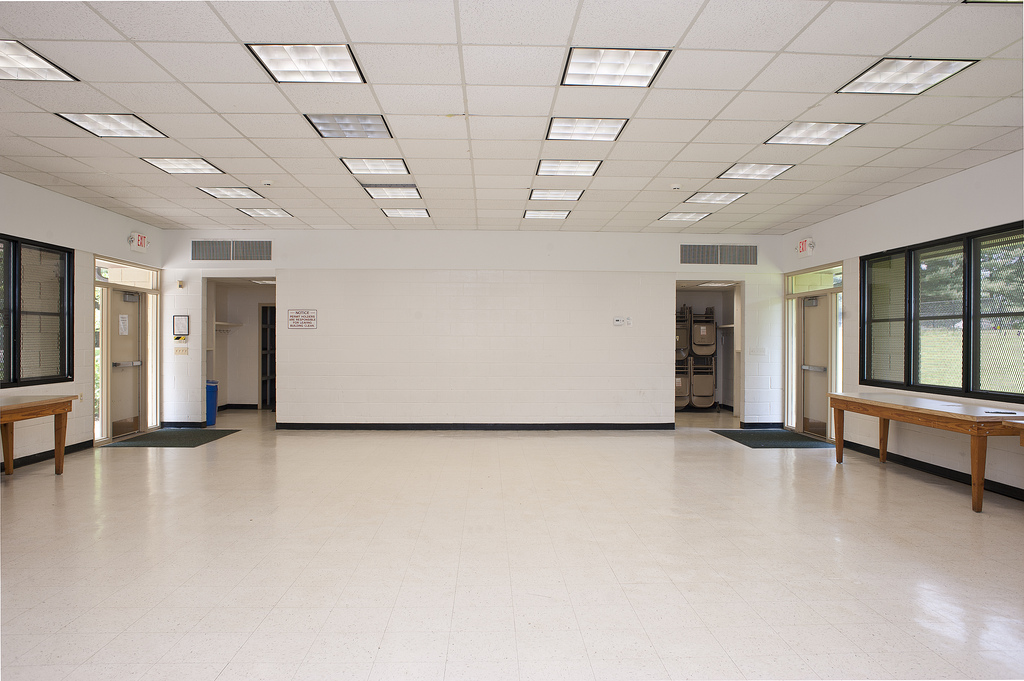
[(773, 438), (174, 437)]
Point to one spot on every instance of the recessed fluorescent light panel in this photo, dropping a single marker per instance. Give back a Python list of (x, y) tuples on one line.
[(592, 129), (618, 68), (905, 76), (813, 133), (348, 125), (376, 166), (576, 168), (547, 214), (17, 62), (717, 284), (406, 212), (556, 194), (113, 125), (266, 212), (177, 166), (714, 197), (230, 192), (309, 63), (687, 217), (754, 171), (392, 191)]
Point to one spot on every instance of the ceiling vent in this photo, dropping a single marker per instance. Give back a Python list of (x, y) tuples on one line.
[(711, 254), (211, 250), (250, 250), (231, 250)]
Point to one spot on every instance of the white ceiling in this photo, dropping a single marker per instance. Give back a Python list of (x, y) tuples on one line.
[(468, 88)]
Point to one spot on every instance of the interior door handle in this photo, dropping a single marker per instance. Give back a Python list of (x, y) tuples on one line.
[(118, 365), (811, 367)]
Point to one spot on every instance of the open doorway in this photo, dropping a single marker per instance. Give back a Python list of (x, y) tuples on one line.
[(706, 359), (814, 348), (241, 341)]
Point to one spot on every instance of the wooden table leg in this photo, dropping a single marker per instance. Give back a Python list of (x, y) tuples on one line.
[(883, 439), (979, 448), (60, 430), (837, 417), (7, 435)]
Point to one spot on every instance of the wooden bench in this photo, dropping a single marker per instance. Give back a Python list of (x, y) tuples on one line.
[(977, 421), (24, 407)]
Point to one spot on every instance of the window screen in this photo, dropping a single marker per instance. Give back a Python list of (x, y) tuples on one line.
[(939, 316), (1000, 286), (886, 323), (36, 310)]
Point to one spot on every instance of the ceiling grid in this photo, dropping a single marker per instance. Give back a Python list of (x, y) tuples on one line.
[(469, 91)]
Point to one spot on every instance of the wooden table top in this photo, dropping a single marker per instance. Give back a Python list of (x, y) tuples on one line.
[(927, 405), (25, 400)]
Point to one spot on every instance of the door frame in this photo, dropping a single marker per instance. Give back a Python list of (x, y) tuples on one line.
[(149, 327), (794, 385)]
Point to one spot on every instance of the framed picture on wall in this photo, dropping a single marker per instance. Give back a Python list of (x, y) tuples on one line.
[(180, 324)]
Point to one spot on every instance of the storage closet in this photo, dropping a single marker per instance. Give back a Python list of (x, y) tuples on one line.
[(704, 351)]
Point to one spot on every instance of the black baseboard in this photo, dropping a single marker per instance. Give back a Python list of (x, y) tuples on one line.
[(476, 426), (760, 426), (183, 424), (237, 406), (49, 454), (726, 407), (940, 471)]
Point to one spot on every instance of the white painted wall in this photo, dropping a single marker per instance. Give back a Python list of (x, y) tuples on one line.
[(34, 213), (476, 346), (982, 197)]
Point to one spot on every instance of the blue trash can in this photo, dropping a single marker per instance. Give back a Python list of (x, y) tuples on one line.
[(211, 403)]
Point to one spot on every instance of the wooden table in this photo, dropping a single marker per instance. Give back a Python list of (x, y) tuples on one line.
[(977, 421), (22, 407), (1016, 425)]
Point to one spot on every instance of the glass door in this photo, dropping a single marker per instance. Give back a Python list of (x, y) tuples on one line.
[(125, 337)]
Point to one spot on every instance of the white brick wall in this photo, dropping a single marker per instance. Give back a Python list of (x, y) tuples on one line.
[(476, 346), (183, 380)]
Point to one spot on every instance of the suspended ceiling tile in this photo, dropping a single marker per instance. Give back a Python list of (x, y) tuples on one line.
[(103, 61), (508, 65), (598, 102), (821, 73), (56, 21), (207, 62), (497, 149), (487, 100), (271, 126), (157, 20), (638, 151), (655, 130), (958, 137), (238, 148), (771, 105), (508, 128), (419, 99), (243, 98), (711, 69), (750, 24), (399, 21), (989, 78), (54, 96), (993, 28), (651, 24), (1006, 112), (143, 98), (40, 125), (686, 104), (751, 132), (525, 22), (281, 22), (860, 28), (410, 64)]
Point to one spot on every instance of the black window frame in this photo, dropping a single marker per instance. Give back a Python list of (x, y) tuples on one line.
[(971, 318), (12, 321)]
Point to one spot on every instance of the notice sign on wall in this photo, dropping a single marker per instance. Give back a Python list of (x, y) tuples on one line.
[(302, 319)]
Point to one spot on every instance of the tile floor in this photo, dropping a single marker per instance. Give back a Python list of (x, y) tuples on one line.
[(490, 556)]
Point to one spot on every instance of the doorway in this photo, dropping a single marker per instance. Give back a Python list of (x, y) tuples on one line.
[(126, 363), (814, 338), (268, 357), (126, 380)]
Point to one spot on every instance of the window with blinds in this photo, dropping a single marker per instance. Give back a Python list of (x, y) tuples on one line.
[(35, 340), (947, 316)]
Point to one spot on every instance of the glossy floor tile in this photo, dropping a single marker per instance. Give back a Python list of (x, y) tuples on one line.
[(502, 555)]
